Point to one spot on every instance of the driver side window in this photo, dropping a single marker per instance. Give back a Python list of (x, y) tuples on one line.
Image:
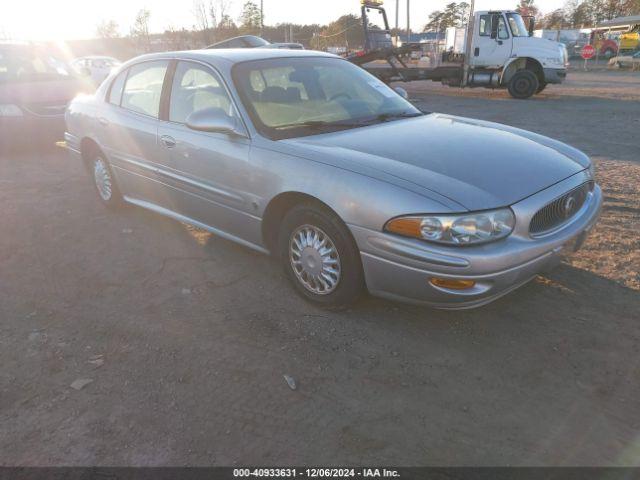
[(196, 87), (503, 34), (485, 27)]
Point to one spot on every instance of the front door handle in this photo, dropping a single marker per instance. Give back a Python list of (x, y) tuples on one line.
[(168, 141), (103, 121)]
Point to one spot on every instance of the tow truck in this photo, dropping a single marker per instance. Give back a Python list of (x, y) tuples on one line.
[(498, 51)]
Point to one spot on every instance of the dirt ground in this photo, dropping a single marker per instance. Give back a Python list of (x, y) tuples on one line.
[(186, 337)]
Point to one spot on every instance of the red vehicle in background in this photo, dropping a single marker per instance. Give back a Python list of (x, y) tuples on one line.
[(35, 89), (605, 43)]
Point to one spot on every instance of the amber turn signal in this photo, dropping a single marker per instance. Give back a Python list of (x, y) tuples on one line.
[(452, 283), (407, 226)]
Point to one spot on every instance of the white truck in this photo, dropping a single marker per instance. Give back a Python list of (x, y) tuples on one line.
[(500, 53)]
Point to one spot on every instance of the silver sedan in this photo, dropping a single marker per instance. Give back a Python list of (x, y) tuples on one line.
[(305, 156)]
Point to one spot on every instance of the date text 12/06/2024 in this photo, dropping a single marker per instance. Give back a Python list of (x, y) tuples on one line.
[(316, 472)]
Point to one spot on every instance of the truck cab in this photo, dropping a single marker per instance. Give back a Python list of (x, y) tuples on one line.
[(505, 54), (497, 50)]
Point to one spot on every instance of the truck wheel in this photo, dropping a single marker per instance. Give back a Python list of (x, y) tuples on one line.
[(523, 84), (541, 87)]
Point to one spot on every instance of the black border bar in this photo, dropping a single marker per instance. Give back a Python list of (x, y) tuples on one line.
[(321, 473)]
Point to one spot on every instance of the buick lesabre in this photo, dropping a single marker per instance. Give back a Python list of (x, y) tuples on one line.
[(306, 156)]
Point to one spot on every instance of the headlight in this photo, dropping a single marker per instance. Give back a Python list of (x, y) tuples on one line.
[(455, 229), (555, 60), (10, 110)]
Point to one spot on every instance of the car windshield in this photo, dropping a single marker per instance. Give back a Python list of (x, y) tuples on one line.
[(255, 41), (292, 97), (30, 65), (516, 23)]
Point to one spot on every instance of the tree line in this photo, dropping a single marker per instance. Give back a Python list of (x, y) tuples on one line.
[(213, 23), (586, 13)]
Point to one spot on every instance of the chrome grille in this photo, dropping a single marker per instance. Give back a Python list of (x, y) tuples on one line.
[(559, 211)]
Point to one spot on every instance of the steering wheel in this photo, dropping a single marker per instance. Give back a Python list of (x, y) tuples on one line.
[(338, 95)]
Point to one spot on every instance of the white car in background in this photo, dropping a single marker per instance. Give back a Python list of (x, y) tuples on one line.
[(96, 67)]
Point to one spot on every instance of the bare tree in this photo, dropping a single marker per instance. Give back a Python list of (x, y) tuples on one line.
[(220, 11), (201, 14), (107, 29), (140, 29)]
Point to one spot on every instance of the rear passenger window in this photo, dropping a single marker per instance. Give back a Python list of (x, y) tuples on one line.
[(195, 87), (115, 94), (143, 88)]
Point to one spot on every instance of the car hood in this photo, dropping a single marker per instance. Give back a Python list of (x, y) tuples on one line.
[(476, 164)]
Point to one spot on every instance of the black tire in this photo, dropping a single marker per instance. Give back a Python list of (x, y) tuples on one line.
[(541, 87), (111, 196), (523, 84), (350, 281)]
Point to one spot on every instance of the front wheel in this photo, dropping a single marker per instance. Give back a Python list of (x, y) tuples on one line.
[(320, 257), (523, 84), (541, 87)]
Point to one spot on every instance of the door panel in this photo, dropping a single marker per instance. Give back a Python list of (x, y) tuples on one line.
[(129, 130), (487, 51), (208, 173)]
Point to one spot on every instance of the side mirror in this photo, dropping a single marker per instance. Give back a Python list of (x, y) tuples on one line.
[(495, 20), (402, 92), (213, 119), (532, 26)]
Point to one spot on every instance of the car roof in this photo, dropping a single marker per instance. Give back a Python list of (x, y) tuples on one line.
[(235, 55), (96, 57)]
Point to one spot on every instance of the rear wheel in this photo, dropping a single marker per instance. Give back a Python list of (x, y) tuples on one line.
[(105, 182), (320, 257), (523, 84)]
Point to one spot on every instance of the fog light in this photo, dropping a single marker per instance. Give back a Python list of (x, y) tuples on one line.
[(452, 283)]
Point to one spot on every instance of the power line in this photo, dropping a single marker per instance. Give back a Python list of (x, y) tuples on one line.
[(340, 32)]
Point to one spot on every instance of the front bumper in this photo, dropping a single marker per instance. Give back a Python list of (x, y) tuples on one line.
[(400, 268), (555, 75)]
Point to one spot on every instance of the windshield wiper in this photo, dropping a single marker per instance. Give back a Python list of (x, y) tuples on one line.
[(322, 124), (384, 117), (315, 124)]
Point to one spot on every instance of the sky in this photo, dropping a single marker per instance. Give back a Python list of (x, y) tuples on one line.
[(77, 19)]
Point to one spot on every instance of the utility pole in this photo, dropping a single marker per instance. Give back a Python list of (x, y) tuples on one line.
[(397, 18), (261, 18), (467, 46), (408, 21)]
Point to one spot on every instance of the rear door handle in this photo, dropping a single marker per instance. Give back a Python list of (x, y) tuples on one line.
[(168, 141), (103, 121)]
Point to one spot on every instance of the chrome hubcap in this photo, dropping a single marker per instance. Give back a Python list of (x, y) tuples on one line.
[(102, 178), (314, 259)]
